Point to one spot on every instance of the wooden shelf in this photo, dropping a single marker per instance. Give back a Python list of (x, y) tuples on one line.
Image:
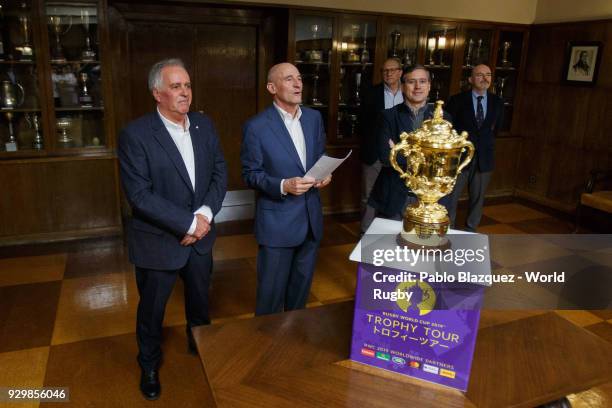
[(80, 109)]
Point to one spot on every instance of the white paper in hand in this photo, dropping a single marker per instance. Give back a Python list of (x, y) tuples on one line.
[(325, 166)]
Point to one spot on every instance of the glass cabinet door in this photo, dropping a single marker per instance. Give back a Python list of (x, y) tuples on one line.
[(76, 77), (439, 49), (313, 53), (507, 70), (402, 42), (476, 50), (357, 47), (20, 114)]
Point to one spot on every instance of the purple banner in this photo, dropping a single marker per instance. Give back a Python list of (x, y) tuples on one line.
[(417, 328)]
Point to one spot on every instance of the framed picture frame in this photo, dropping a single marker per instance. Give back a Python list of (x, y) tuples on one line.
[(582, 61)]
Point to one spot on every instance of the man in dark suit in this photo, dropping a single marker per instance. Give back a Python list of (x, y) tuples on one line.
[(382, 96), (390, 195), (174, 177), (480, 113), (279, 146)]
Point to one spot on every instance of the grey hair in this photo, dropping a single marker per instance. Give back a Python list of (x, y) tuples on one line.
[(155, 78)]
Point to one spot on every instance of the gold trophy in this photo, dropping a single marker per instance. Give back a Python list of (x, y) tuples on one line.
[(433, 156), (26, 47)]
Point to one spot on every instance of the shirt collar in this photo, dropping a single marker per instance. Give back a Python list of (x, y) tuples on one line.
[(387, 89), (286, 115), (173, 125), (475, 95), (415, 111)]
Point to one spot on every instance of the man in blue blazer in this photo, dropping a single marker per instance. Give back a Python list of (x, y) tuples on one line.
[(279, 146), (174, 177), (480, 113), (390, 196)]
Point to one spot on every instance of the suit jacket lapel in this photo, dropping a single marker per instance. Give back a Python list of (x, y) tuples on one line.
[(199, 152), (490, 111), (469, 101), (309, 132), (165, 140), (280, 131)]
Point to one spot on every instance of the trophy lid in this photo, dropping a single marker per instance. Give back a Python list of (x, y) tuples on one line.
[(437, 132)]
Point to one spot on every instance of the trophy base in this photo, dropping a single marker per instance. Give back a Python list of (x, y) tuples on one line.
[(88, 57), (38, 146), (316, 102), (11, 146), (315, 56), (59, 60), (412, 241)]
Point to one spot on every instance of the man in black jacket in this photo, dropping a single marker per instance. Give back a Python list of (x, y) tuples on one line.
[(384, 95), (480, 113), (390, 195)]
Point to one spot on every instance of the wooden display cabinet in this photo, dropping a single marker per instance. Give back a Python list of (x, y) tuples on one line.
[(57, 161)]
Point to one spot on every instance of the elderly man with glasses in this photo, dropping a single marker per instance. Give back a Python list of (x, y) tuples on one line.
[(480, 113), (384, 95)]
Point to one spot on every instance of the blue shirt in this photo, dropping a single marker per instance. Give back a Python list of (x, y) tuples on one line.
[(392, 99), (484, 103)]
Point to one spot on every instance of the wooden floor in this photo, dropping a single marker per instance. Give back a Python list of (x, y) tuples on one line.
[(67, 311)]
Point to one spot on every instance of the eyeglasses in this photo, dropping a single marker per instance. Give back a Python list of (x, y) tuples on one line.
[(390, 70), (481, 75)]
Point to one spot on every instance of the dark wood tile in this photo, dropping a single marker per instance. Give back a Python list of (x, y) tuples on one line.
[(604, 314), (238, 227), (104, 373), (233, 288), (336, 234), (546, 225), (603, 330), (98, 261), (27, 315)]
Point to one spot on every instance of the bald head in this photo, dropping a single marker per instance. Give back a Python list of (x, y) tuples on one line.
[(278, 69), (285, 86)]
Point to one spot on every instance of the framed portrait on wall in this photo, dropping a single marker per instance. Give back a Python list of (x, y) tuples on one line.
[(582, 62)]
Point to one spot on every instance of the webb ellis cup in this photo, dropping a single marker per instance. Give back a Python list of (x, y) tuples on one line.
[(433, 157)]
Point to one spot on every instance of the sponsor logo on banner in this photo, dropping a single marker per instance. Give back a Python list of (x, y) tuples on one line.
[(383, 356), (415, 364), (447, 373), (430, 369), (398, 360), (367, 352)]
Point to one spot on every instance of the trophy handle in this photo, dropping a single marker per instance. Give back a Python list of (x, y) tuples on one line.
[(69, 25), (22, 97), (467, 159), (406, 150)]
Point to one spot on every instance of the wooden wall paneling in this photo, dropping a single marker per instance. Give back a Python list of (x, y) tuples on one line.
[(227, 81), (344, 192), (567, 127), (84, 194), (504, 175), (25, 206)]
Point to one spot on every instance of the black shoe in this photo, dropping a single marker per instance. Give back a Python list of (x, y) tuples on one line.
[(149, 384), (191, 344)]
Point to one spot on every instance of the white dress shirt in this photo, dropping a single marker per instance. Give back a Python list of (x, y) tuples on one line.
[(182, 139), (294, 127)]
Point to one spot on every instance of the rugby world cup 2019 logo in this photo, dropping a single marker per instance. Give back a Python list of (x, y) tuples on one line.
[(423, 297)]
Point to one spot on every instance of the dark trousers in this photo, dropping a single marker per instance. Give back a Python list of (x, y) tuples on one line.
[(477, 183), (284, 276), (154, 288)]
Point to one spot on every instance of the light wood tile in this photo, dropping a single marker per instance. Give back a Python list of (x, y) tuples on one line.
[(580, 318), (335, 276), (23, 369), (32, 269), (509, 251), (105, 305)]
